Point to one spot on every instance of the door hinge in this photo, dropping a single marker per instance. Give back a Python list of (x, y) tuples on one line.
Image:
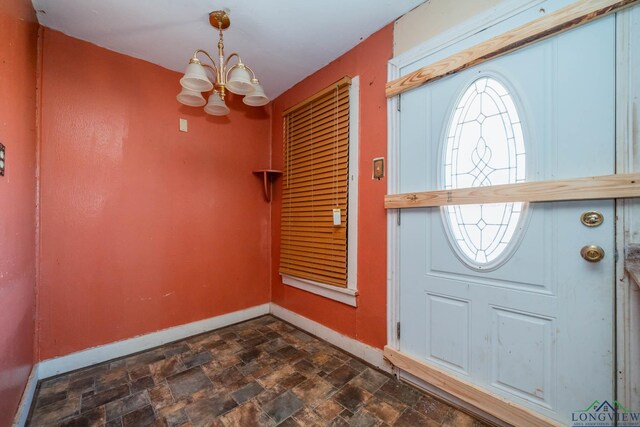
[(399, 102), (398, 330), (398, 216)]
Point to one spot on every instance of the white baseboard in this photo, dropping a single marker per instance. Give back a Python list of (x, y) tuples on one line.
[(103, 353), (92, 356), (27, 398), (371, 355)]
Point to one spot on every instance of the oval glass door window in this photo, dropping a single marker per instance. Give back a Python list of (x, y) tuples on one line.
[(484, 146)]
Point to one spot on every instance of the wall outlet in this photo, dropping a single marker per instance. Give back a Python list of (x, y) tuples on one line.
[(183, 125)]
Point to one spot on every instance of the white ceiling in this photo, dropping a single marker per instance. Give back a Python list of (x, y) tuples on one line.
[(282, 40)]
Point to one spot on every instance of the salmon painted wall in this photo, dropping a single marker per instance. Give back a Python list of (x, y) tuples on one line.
[(367, 322), (143, 227), (18, 65)]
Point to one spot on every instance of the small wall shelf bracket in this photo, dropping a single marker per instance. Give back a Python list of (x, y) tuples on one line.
[(268, 176)]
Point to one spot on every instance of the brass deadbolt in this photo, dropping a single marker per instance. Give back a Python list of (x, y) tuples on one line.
[(592, 253), (591, 218)]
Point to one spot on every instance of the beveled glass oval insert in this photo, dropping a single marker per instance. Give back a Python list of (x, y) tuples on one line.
[(484, 146)]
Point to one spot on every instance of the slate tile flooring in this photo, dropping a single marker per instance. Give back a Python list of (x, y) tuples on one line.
[(263, 372)]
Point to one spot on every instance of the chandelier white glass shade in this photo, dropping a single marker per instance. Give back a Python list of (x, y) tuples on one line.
[(237, 78), (256, 96), (192, 98), (216, 105)]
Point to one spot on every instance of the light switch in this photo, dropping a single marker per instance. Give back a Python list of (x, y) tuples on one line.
[(183, 125), (378, 168), (2, 159)]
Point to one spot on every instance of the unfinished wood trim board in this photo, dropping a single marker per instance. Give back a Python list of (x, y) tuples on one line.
[(574, 15), (484, 400), (617, 186)]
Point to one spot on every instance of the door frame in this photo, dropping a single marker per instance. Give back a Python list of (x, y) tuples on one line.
[(626, 346)]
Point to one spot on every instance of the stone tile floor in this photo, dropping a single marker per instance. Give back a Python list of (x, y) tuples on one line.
[(263, 372)]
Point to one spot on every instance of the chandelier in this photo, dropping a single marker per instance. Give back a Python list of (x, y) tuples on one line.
[(238, 78)]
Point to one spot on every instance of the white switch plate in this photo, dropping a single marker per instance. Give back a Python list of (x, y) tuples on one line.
[(183, 125)]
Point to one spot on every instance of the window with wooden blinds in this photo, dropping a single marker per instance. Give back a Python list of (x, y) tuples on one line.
[(315, 182)]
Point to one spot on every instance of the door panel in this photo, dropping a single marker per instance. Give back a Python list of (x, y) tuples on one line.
[(537, 329)]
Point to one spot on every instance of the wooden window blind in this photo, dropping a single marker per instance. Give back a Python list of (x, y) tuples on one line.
[(315, 182)]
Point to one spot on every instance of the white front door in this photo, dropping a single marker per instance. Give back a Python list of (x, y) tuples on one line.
[(499, 295)]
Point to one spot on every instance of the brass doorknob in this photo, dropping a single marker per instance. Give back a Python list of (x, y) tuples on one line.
[(592, 253)]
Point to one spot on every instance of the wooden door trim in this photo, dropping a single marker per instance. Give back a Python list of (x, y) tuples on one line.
[(484, 400), (617, 186), (569, 17)]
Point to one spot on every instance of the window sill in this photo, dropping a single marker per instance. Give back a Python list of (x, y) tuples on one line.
[(343, 295)]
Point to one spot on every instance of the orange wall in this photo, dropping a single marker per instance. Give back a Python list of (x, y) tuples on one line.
[(18, 59), (143, 227), (367, 322)]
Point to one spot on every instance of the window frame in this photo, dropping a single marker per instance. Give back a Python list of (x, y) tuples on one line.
[(344, 295)]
